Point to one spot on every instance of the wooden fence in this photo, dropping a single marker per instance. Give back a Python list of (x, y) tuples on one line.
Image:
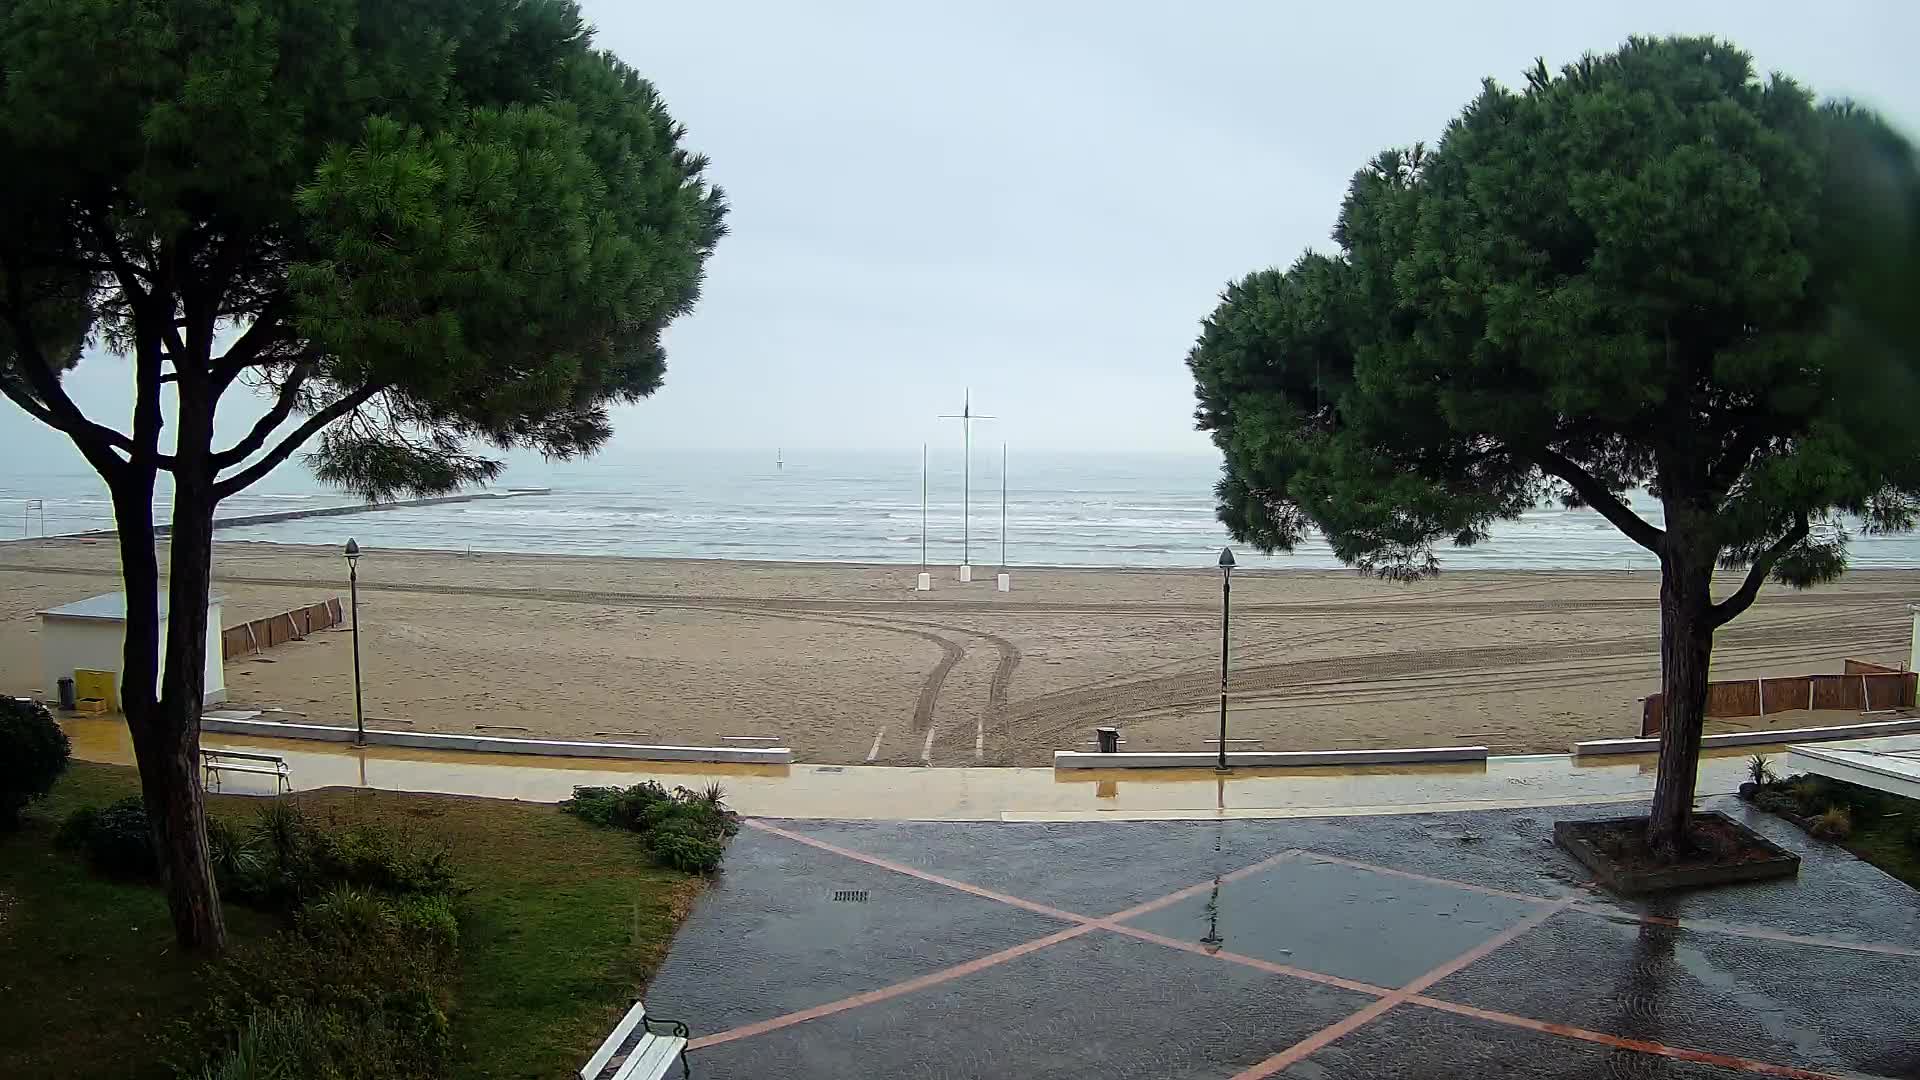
[(262, 634), (1864, 687)]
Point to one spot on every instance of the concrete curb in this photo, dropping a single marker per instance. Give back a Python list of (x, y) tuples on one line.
[(1265, 759), (487, 744), (1594, 747)]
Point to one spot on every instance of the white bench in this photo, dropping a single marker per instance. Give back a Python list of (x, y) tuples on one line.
[(636, 1052), (215, 762)]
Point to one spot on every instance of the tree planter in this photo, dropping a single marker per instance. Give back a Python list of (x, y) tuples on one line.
[(1598, 846)]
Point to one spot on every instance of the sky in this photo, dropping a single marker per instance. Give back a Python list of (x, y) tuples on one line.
[(1040, 202)]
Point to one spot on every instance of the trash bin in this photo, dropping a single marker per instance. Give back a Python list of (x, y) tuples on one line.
[(68, 699), (1109, 738)]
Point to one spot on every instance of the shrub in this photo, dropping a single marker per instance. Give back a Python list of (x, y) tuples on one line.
[(1760, 770), (235, 856), (77, 829), (1810, 793), (1834, 823), (33, 754), (276, 1043), (299, 859), (115, 839), (690, 853), (429, 920), (687, 845), (356, 988), (346, 914), (683, 829), (635, 808)]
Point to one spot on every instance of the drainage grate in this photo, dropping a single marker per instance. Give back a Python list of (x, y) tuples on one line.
[(850, 896)]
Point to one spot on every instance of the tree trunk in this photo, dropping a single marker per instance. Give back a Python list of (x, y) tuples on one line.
[(170, 768), (1686, 651)]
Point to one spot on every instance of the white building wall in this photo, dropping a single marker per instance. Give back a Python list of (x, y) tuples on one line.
[(69, 644)]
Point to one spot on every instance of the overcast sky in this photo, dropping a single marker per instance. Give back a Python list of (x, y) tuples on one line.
[(1041, 200)]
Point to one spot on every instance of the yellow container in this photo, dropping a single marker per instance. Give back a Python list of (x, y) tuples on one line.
[(98, 685)]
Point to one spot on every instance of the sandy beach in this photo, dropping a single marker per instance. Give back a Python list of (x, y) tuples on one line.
[(849, 664)]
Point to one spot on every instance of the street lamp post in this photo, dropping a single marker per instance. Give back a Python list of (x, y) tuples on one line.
[(353, 591), (1226, 610)]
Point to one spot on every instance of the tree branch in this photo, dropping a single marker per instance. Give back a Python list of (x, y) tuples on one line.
[(241, 480), (1726, 471), (1594, 494), (265, 331), (53, 407), (123, 269), (264, 427), (1726, 610)]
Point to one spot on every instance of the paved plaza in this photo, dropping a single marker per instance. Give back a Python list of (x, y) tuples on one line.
[(1436, 945)]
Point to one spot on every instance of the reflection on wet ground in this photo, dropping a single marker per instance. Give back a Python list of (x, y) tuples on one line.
[(1460, 944)]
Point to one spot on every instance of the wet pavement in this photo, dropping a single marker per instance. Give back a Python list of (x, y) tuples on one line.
[(1431, 945), (889, 793)]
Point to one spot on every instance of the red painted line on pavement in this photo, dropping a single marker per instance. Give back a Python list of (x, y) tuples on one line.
[(1387, 999), (1374, 1010), (1252, 961), (902, 868), (1429, 879), (1725, 1061), (1199, 887), (1084, 924), (897, 989), (1481, 951), (1712, 926)]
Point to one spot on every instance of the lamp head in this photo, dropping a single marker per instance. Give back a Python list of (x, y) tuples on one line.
[(1226, 560), (353, 550)]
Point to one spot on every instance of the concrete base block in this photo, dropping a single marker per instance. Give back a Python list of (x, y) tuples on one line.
[(966, 573), (1265, 759), (924, 583), (427, 740), (1003, 582)]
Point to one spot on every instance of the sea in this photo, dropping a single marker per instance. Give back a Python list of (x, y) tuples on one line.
[(1080, 508)]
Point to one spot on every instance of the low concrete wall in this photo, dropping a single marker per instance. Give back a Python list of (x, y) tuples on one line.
[(1265, 759), (486, 744), (1754, 738)]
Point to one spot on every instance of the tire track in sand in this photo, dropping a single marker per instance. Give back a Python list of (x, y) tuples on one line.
[(951, 652), (1039, 720)]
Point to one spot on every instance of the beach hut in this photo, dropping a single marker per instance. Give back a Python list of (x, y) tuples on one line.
[(88, 636)]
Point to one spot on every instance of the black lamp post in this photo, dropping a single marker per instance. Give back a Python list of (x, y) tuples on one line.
[(1226, 609), (353, 590)]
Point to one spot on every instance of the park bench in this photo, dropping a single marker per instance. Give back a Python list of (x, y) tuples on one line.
[(636, 1052), (215, 762)]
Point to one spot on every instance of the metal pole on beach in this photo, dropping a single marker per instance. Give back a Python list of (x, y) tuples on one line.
[(1003, 506), (1226, 616), (923, 506), (353, 590), (966, 416)]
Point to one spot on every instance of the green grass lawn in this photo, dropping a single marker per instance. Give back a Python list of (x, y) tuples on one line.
[(563, 923), (1885, 842)]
